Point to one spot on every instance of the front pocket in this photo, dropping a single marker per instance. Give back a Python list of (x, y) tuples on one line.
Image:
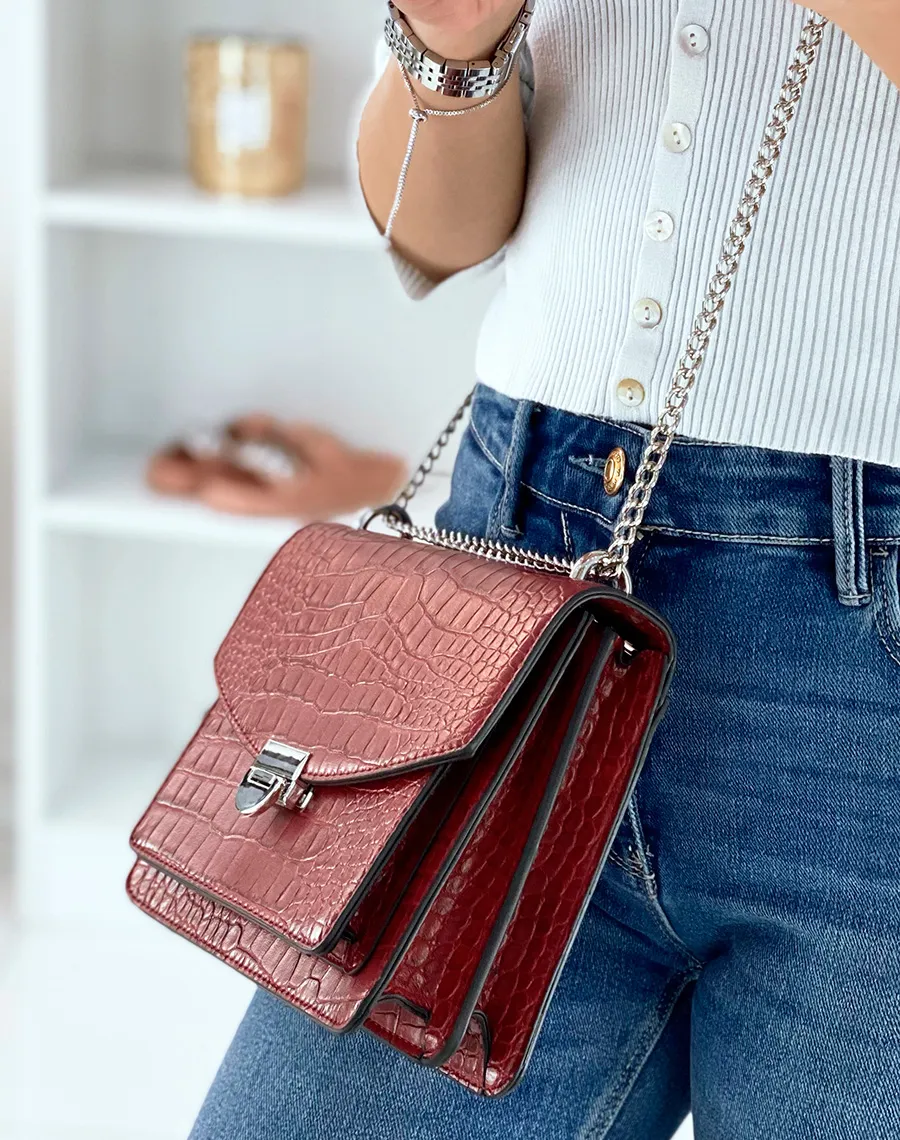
[(475, 493), (886, 590)]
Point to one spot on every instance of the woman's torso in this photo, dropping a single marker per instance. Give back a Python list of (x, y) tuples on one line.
[(807, 357)]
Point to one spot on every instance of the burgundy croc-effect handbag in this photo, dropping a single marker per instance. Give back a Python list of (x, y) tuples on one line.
[(423, 744)]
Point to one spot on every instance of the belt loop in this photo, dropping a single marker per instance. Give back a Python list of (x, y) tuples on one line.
[(512, 471), (850, 556)]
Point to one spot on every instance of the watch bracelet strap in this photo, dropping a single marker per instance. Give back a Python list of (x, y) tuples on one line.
[(462, 79), (613, 562)]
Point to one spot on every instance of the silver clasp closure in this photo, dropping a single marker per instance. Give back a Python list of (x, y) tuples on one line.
[(275, 778)]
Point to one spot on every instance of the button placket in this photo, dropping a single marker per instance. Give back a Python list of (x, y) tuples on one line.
[(639, 381)]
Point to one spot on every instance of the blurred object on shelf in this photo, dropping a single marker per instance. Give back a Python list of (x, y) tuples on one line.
[(262, 466), (248, 110)]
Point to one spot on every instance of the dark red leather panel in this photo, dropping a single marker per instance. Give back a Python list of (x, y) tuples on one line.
[(311, 984), (375, 654), (297, 872)]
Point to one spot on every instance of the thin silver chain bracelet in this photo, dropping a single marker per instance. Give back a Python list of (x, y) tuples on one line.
[(420, 115)]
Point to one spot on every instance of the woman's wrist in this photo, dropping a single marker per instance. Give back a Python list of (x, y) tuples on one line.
[(480, 42)]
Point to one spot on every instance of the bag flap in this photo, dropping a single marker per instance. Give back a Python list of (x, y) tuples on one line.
[(377, 655)]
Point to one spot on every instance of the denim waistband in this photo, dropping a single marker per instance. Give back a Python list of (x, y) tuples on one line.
[(713, 491)]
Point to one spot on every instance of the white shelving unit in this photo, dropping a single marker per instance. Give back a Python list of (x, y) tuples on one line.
[(147, 308), (326, 214)]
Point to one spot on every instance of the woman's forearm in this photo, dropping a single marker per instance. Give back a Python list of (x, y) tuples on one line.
[(466, 183)]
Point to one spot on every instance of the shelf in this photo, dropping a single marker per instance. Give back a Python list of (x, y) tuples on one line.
[(107, 496), (78, 854), (326, 213)]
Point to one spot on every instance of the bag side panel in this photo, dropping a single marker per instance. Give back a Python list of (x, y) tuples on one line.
[(367, 926), (444, 961), (581, 829)]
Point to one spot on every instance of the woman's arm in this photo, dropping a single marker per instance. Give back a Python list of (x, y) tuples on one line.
[(873, 24), (467, 180)]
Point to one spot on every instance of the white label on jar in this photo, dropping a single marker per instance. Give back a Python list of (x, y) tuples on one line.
[(244, 119)]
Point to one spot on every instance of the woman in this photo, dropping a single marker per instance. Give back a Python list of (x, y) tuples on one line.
[(741, 958)]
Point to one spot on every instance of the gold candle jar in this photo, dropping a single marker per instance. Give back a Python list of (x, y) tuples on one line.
[(248, 110)]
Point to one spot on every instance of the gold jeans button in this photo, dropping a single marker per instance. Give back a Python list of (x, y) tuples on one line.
[(614, 471)]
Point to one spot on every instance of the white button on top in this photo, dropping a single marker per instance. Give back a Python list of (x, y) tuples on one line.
[(631, 393), (659, 225), (647, 313), (694, 39), (677, 137)]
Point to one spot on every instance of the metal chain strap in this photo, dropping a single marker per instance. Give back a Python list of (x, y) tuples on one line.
[(427, 465), (613, 562)]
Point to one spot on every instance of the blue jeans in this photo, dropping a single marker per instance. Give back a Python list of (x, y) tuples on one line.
[(741, 957)]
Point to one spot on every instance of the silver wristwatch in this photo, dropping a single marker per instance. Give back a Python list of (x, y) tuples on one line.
[(463, 79)]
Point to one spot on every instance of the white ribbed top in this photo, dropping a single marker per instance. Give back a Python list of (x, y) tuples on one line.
[(807, 357)]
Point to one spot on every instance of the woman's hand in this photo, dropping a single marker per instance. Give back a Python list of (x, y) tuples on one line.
[(461, 29), (873, 24)]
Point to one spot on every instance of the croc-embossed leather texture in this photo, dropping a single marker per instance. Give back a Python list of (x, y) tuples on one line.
[(474, 730)]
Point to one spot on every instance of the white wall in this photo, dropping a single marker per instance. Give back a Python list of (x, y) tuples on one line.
[(9, 125)]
